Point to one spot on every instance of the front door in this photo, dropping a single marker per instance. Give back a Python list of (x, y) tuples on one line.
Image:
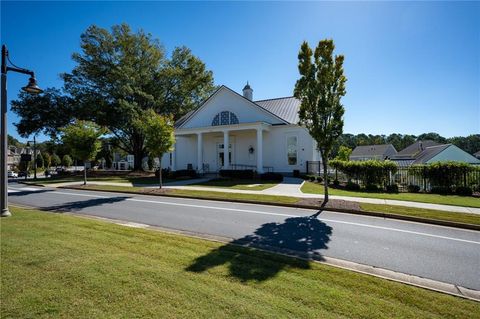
[(221, 155)]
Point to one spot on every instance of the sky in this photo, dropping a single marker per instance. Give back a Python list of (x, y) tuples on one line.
[(412, 67)]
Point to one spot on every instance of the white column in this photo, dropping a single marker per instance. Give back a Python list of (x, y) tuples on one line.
[(226, 142), (199, 152), (259, 151)]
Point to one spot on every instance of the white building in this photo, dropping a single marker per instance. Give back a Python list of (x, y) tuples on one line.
[(261, 135)]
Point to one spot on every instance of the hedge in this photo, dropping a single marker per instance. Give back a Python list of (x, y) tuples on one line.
[(369, 172), (447, 175)]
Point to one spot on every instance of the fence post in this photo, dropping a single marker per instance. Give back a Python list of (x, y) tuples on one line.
[(307, 167)]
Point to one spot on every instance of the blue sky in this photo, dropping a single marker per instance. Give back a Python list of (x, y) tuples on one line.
[(411, 67)]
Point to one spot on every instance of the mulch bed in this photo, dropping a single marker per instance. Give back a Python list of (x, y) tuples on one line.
[(332, 203)]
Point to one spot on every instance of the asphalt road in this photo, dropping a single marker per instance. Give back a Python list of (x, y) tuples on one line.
[(440, 253)]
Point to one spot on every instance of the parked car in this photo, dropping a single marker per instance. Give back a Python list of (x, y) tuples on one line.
[(12, 174), (23, 174)]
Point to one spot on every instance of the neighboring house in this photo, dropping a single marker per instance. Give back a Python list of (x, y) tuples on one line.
[(15, 153), (120, 162), (477, 154), (373, 152), (231, 131), (418, 153)]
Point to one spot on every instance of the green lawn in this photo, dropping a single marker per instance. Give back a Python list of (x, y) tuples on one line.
[(425, 213), (315, 188), (239, 184), (56, 265), (150, 180)]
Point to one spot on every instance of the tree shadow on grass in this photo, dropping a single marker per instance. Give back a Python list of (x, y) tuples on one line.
[(297, 236), (79, 205)]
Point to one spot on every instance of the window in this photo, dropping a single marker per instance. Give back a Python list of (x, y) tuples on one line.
[(225, 118), (292, 150)]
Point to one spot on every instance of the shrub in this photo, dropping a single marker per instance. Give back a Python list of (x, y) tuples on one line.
[(336, 183), (351, 186), (369, 172), (445, 174), (184, 173), (392, 188), (464, 191), (271, 177), (166, 173), (319, 179), (312, 178), (442, 190), (413, 188), (238, 173), (373, 188)]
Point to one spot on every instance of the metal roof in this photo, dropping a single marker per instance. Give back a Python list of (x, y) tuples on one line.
[(429, 153), (285, 108), (412, 150), (370, 150)]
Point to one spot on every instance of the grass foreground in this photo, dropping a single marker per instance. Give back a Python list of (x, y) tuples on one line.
[(316, 188), (56, 265)]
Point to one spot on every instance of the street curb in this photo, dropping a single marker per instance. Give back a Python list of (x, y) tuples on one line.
[(407, 279), (339, 210)]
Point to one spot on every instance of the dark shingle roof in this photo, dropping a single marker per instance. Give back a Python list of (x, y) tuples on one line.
[(430, 152), (285, 108), (370, 150), (412, 150)]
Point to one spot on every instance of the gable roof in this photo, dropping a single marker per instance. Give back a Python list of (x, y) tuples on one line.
[(477, 154), (371, 150), (278, 110), (412, 150), (429, 153), (284, 107)]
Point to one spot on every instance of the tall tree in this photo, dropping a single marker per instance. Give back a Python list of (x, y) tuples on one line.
[(320, 89), (83, 138), (119, 74), (159, 138), (46, 112)]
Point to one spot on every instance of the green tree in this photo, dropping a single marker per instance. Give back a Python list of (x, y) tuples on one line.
[(47, 159), (159, 135), (67, 160), (55, 160), (432, 136), (39, 160), (344, 153), (119, 74), (320, 89), (83, 138)]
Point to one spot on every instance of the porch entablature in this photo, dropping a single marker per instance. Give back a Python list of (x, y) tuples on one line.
[(224, 128)]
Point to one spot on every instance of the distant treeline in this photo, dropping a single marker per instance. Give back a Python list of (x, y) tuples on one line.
[(470, 144)]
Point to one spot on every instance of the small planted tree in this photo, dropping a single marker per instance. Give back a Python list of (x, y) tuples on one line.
[(344, 153), (47, 160), (55, 160), (159, 135), (320, 89), (67, 160), (83, 139), (39, 160)]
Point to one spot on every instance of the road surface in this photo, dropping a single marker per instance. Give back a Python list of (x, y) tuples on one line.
[(440, 253)]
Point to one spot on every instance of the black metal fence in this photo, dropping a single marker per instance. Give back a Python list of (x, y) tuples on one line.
[(404, 176)]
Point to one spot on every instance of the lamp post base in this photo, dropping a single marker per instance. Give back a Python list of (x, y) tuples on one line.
[(5, 213)]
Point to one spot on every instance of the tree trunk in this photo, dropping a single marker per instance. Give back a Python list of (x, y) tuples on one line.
[(84, 173), (325, 179)]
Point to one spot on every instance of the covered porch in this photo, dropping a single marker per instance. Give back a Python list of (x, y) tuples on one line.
[(211, 149)]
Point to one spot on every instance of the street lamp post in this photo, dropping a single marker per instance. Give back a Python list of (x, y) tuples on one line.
[(31, 87)]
